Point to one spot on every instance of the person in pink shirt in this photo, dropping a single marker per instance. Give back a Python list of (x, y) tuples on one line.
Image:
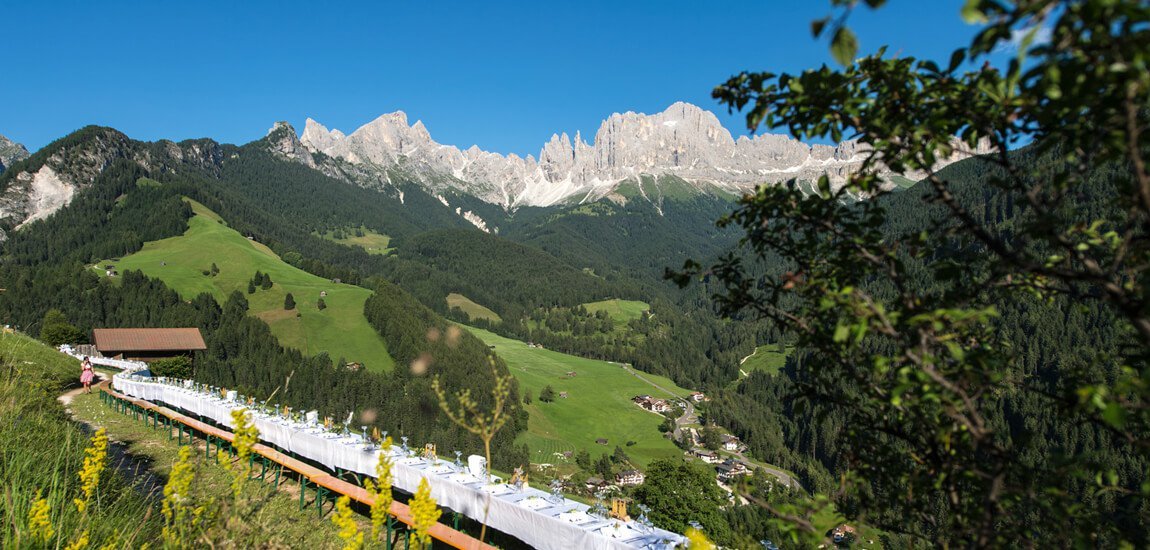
[(87, 375)]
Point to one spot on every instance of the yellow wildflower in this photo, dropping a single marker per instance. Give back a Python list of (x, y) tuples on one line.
[(696, 540), (246, 436), (39, 522), (380, 490), (177, 499), (345, 520), (80, 543), (113, 543), (424, 514), (95, 458)]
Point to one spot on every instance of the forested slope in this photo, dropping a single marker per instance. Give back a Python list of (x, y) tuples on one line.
[(44, 268), (1051, 340)]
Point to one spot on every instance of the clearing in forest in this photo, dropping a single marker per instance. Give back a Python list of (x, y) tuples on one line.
[(371, 241), (472, 309), (620, 311)]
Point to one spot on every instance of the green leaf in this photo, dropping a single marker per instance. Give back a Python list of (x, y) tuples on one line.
[(956, 351), (842, 332), (844, 46), (972, 13), (956, 59), (818, 25), (1114, 415)]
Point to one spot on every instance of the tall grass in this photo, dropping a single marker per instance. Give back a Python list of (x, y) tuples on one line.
[(41, 452)]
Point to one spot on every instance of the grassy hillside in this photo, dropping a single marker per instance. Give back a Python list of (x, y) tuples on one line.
[(472, 309), (341, 329), (621, 311), (41, 451), (598, 403), (766, 358), (278, 522)]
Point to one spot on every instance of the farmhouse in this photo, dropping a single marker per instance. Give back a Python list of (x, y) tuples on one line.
[(594, 483), (731, 443), (731, 468), (652, 404), (698, 396), (147, 344), (629, 477), (843, 534), (710, 457)]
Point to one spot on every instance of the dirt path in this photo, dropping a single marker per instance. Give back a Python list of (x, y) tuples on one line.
[(67, 397), (136, 468)]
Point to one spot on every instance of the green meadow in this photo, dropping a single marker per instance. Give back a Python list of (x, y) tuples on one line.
[(341, 329), (598, 404), (620, 311), (372, 242), (472, 309), (766, 358)]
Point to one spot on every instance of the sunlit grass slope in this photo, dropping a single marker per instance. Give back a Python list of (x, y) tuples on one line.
[(472, 309), (598, 403), (621, 311), (766, 358), (370, 241), (341, 329)]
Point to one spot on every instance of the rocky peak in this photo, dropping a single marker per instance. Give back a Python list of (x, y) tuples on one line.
[(10, 152), (282, 140), (52, 179), (318, 134)]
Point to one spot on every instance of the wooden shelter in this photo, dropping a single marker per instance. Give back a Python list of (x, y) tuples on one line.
[(147, 344)]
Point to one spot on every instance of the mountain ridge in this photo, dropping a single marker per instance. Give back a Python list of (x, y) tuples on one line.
[(683, 140), (11, 152)]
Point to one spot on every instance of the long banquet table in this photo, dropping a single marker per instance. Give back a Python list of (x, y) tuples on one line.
[(529, 515)]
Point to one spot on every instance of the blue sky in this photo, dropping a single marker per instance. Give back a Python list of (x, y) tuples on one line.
[(502, 75)]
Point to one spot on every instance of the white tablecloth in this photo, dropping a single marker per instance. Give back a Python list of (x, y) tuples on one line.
[(526, 515)]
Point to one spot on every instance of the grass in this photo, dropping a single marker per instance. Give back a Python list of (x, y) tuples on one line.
[(41, 452), (766, 359), (341, 329), (372, 242), (278, 523), (598, 404), (472, 309), (620, 311)]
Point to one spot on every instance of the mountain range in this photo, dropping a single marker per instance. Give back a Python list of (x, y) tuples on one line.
[(683, 141), (683, 150)]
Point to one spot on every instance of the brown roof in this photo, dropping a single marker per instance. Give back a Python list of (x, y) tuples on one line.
[(147, 339)]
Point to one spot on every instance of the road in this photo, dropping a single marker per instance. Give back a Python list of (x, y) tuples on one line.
[(783, 476), (636, 374)]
